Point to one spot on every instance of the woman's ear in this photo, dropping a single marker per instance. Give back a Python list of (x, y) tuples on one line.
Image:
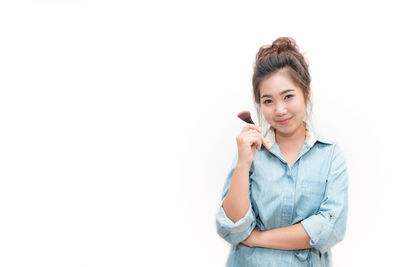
[(308, 95)]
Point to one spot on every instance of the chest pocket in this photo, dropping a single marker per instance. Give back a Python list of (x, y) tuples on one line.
[(311, 194)]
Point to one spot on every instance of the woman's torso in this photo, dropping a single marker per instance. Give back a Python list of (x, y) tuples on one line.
[(284, 193)]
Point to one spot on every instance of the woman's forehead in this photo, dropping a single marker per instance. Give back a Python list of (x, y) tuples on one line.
[(277, 84)]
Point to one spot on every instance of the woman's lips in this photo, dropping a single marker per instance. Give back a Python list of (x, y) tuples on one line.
[(284, 121)]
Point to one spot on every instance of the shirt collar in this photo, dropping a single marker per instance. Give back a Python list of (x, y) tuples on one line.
[(311, 137)]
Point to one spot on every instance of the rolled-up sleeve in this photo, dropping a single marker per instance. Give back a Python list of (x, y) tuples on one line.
[(234, 232), (328, 226)]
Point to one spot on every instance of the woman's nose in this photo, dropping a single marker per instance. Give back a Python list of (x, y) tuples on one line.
[(280, 109)]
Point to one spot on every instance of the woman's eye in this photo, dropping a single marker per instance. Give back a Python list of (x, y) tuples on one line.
[(289, 95), (267, 101)]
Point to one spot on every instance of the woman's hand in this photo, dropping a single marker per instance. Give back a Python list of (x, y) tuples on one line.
[(253, 239), (248, 140)]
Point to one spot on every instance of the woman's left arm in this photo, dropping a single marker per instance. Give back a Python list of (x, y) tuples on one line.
[(285, 238)]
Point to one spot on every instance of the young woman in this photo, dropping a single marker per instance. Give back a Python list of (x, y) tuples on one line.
[(284, 204)]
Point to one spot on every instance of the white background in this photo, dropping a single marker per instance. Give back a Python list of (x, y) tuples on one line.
[(118, 123)]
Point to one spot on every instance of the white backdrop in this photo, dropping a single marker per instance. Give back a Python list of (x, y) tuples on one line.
[(118, 123)]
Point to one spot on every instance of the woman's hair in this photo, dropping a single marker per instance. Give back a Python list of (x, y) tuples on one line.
[(281, 56)]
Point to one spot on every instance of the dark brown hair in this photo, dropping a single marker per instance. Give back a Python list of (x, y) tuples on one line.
[(281, 56)]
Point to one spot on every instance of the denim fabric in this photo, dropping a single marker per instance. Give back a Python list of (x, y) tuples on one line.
[(313, 192)]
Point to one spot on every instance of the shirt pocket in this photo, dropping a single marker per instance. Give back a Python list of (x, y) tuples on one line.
[(311, 195)]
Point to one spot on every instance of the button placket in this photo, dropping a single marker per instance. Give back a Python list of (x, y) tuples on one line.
[(288, 198)]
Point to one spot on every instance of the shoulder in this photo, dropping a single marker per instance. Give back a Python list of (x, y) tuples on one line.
[(332, 153), (326, 150), (328, 145), (331, 147)]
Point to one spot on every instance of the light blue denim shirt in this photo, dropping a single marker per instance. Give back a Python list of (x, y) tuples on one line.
[(313, 192)]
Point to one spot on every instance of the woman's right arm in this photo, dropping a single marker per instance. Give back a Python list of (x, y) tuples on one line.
[(237, 201), (235, 217)]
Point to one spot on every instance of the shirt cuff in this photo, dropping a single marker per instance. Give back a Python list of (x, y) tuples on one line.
[(238, 231), (319, 229)]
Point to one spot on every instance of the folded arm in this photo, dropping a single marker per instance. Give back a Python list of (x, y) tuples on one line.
[(291, 237)]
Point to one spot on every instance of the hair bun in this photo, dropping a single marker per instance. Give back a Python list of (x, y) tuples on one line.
[(280, 45), (283, 44)]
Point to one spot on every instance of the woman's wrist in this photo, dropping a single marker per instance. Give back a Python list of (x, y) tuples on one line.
[(243, 165), (260, 238)]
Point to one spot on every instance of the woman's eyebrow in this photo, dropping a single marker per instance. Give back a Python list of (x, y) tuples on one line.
[(283, 92)]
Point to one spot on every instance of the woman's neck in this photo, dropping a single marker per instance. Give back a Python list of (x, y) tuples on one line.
[(297, 137)]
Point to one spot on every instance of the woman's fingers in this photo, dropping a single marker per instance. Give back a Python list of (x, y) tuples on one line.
[(250, 126), (255, 139), (250, 136)]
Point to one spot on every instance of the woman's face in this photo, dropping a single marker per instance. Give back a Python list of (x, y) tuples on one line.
[(281, 99)]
